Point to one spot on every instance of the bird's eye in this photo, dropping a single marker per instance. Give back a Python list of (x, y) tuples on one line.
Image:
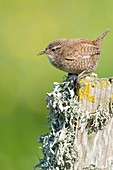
[(53, 49), (56, 48)]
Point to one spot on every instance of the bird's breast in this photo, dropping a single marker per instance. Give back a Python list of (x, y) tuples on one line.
[(56, 61), (51, 58)]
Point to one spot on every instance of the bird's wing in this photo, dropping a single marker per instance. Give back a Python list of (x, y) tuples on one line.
[(88, 49), (83, 51)]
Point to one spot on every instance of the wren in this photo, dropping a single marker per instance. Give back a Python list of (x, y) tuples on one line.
[(75, 56)]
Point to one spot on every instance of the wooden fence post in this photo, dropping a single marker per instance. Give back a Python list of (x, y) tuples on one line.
[(81, 126)]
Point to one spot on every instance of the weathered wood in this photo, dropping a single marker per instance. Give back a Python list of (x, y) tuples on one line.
[(81, 136), (94, 93)]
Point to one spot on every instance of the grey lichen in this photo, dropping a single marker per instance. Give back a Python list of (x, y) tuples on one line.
[(97, 120), (58, 146), (92, 167)]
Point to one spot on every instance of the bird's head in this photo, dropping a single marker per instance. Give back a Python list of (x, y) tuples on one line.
[(52, 49)]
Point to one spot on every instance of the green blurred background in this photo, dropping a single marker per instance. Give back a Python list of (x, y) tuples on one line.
[(26, 27)]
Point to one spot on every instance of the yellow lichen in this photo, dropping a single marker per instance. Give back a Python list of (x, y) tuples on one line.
[(100, 85), (111, 97), (84, 92), (93, 84), (103, 83)]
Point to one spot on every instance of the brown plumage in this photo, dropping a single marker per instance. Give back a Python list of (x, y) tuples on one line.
[(75, 56)]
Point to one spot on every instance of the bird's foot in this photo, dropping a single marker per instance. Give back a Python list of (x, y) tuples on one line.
[(77, 80)]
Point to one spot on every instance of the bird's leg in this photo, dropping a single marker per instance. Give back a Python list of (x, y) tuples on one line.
[(80, 76), (77, 80)]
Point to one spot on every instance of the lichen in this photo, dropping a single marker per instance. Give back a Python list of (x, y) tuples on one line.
[(93, 84), (92, 167), (97, 120), (111, 97), (58, 146), (84, 92), (103, 83)]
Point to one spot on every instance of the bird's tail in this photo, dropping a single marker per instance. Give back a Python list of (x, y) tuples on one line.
[(100, 38)]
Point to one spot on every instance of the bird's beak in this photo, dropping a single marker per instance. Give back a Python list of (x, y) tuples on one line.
[(41, 53)]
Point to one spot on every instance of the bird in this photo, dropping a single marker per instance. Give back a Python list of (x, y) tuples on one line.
[(77, 56)]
